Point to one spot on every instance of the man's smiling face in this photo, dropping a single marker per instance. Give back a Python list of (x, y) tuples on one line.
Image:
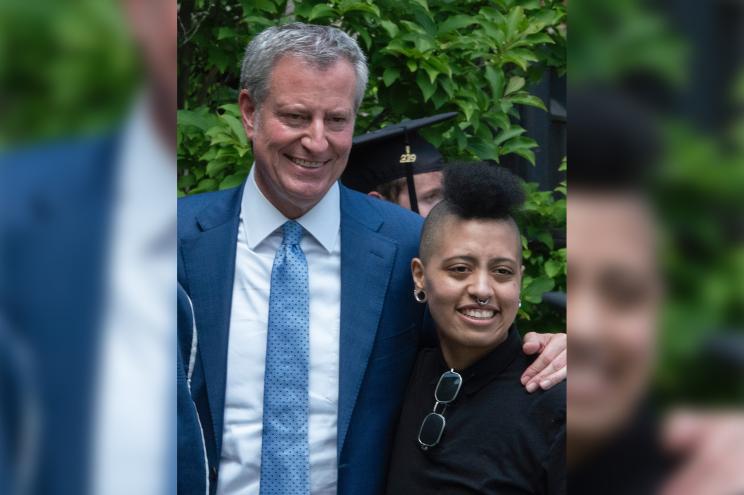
[(302, 132)]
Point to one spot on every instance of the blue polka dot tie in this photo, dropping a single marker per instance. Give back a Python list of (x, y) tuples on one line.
[(285, 465)]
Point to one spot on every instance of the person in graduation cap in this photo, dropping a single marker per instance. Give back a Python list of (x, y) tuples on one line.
[(396, 164), (466, 426)]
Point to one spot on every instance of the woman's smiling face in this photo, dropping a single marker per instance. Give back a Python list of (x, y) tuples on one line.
[(472, 261)]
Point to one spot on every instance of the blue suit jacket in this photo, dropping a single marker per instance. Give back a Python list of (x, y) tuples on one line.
[(380, 323), (193, 474)]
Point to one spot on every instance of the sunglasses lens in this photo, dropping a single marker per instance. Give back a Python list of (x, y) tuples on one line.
[(448, 387), (431, 429)]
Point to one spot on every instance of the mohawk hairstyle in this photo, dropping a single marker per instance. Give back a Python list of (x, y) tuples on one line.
[(475, 190), (480, 190)]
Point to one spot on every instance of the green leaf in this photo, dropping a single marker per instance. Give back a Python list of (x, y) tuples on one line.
[(467, 107), (448, 86), (424, 43), (484, 150), (529, 100), (346, 7), (515, 84), (422, 3), (507, 134), (495, 79), (215, 167), (205, 185), (553, 268), (225, 32), (233, 180), (196, 118), (321, 10), (440, 65), (186, 181), (546, 239), (427, 88), (210, 154), (413, 28), (431, 71), (236, 127), (412, 65), (390, 28), (498, 120), (539, 39), (456, 22), (513, 19), (534, 290), (518, 143), (439, 98), (390, 75), (261, 21), (265, 5)]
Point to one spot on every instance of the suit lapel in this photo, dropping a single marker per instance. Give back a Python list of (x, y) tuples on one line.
[(209, 260), (366, 263)]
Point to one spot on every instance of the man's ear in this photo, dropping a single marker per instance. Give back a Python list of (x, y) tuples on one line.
[(247, 112), (417, 272), (375, 194)]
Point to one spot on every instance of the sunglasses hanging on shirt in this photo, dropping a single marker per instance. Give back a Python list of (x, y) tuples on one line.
[(432, 427)]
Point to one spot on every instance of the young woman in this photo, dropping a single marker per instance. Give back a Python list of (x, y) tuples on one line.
[(467, 424)]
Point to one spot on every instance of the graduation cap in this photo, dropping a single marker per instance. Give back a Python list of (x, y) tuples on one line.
[(393, 152)]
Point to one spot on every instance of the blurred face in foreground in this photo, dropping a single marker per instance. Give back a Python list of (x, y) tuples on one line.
[(153, 23), (614, 296), (471, 260), (302, 132)]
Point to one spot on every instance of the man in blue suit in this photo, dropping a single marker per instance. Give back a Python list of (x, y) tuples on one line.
[(301, 87)]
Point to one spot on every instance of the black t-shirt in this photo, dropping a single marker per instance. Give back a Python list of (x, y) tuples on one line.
[(498, 438)]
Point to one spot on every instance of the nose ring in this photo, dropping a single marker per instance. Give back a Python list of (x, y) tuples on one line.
[(482, 302)]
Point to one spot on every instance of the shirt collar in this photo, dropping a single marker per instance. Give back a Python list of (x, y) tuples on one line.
[(485, 370), (322, 221)]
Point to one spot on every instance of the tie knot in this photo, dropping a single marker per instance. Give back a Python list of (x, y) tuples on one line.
[(292, 233)]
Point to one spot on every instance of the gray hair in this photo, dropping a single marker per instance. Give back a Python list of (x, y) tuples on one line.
[(321, 46)]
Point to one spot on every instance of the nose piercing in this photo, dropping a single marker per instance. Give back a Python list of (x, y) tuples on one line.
[(482, 302)]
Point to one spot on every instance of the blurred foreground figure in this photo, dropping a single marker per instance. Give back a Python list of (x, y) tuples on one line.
[(87, 263), (618, 442)]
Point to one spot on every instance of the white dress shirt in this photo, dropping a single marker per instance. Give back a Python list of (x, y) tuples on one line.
[(135, 399), (259, 237)]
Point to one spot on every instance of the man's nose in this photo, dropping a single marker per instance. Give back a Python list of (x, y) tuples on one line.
[(315, 139)]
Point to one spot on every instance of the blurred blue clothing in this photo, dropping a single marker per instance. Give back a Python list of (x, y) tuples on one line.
[(54, 214)]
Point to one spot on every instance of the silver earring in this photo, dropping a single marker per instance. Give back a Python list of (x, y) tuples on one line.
[(419, 295), (520, 303)]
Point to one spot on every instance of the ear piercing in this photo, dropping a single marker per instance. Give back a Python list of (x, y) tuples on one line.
[(419, 295)]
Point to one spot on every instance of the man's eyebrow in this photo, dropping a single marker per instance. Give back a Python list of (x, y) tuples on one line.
[(461, 257)]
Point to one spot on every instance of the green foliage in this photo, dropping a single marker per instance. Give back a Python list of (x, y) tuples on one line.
[(475, 57), (543, 221), (612, 39), (700, 202), (67, 68)]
